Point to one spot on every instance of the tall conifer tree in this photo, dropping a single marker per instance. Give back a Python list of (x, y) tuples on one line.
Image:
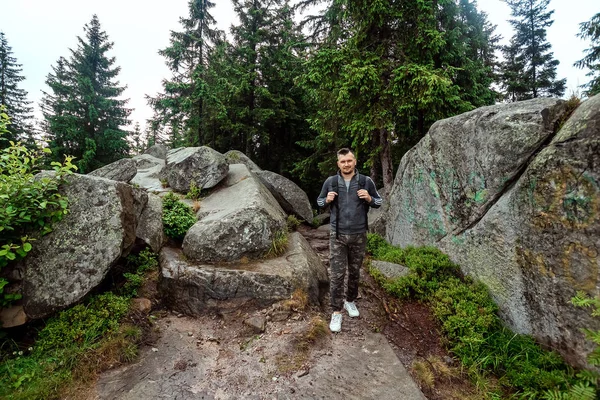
[(529, 69), (13, 97), (591, 30), (266, 109), (181, 105), (388, 70), (84, 114)]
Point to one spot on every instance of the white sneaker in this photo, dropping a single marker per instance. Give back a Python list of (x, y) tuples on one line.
[(351, 308), (336, 322)]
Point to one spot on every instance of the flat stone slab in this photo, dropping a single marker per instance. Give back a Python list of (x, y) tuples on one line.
[(361, 369), (191, 287), (390, 270), (193, 360)]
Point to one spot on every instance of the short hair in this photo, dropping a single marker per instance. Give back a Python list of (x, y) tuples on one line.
[(344, 151)]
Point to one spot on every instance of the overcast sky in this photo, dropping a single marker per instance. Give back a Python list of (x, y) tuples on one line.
[(41, 31)]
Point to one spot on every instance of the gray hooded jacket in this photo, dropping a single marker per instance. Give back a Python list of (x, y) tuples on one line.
[(352, 210)]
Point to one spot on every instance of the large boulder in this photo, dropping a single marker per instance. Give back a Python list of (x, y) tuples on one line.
[(149, 173), (516, 205), (449, 180), (240, 219), (158, 151), (237, 157), (123, 170), (73, 259), (201, 165), (290, 197), (150, 227), (191, 287)]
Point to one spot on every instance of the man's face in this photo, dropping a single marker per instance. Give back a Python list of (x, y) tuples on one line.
[(346, 163)]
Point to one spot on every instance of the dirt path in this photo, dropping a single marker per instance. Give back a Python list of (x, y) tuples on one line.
[(221, 356)]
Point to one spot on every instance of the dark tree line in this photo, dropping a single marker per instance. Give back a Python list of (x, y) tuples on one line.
[(370, 75)]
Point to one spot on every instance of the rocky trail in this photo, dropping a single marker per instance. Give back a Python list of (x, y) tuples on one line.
[(283, 352)]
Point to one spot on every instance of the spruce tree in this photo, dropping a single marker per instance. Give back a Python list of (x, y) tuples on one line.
[(266, 111), (181, 105), (591, 30), (13, 97), (529, 69), (391, 69), (84, 115)]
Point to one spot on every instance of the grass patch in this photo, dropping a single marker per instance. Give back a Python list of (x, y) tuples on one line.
[(315, 331), (78, 343), (278, 244), (503, 363), (297, 302), (292, 223)]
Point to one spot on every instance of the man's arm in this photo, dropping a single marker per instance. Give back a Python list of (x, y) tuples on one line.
[(376, 200), (322, 199)]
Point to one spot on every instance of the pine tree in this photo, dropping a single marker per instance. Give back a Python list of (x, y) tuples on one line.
[(181, 106), (266, 110), (529, 69), (14, 98), (391, 69), (591, 30), (83, 113)]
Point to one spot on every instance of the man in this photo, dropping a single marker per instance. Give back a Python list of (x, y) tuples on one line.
[(350, 196)]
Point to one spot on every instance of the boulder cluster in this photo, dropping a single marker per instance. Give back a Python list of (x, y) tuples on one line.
[(118, 207)]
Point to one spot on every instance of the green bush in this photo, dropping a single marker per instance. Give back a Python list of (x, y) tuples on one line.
[(177, 217), (29, 205), (138, 265), (474, 332), (42, 370)]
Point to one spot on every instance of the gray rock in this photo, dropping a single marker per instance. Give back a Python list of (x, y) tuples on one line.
[(390, 270), (150, 227), (240, 219), (202, 165), (191, 287), (123, 170), (149, 173), (12, 316), (73, 259), (321, 219), (258, 323), (378, 219), (158, 151), (463, 165), (535, 240), (237, 157), (290, 197)]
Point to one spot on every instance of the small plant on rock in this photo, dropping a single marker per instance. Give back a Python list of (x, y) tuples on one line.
[(292, 223), (194, 192), (278, 244), (177, 217)]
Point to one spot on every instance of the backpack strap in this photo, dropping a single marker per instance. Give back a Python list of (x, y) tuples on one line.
[(335, 188)]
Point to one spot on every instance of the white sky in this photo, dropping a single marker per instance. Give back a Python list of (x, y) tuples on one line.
[(41, 31)]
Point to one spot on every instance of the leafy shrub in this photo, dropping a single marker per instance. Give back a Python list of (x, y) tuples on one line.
[(474, 332), (139, 264), (41, 371), (177, 217), (29, 205)]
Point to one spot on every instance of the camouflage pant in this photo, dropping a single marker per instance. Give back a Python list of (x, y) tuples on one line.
[(345, 252)]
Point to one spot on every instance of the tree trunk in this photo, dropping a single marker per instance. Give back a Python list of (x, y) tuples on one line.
[(387, 169)]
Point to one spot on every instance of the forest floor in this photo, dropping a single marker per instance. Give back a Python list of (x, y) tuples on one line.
[(286, 351)]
